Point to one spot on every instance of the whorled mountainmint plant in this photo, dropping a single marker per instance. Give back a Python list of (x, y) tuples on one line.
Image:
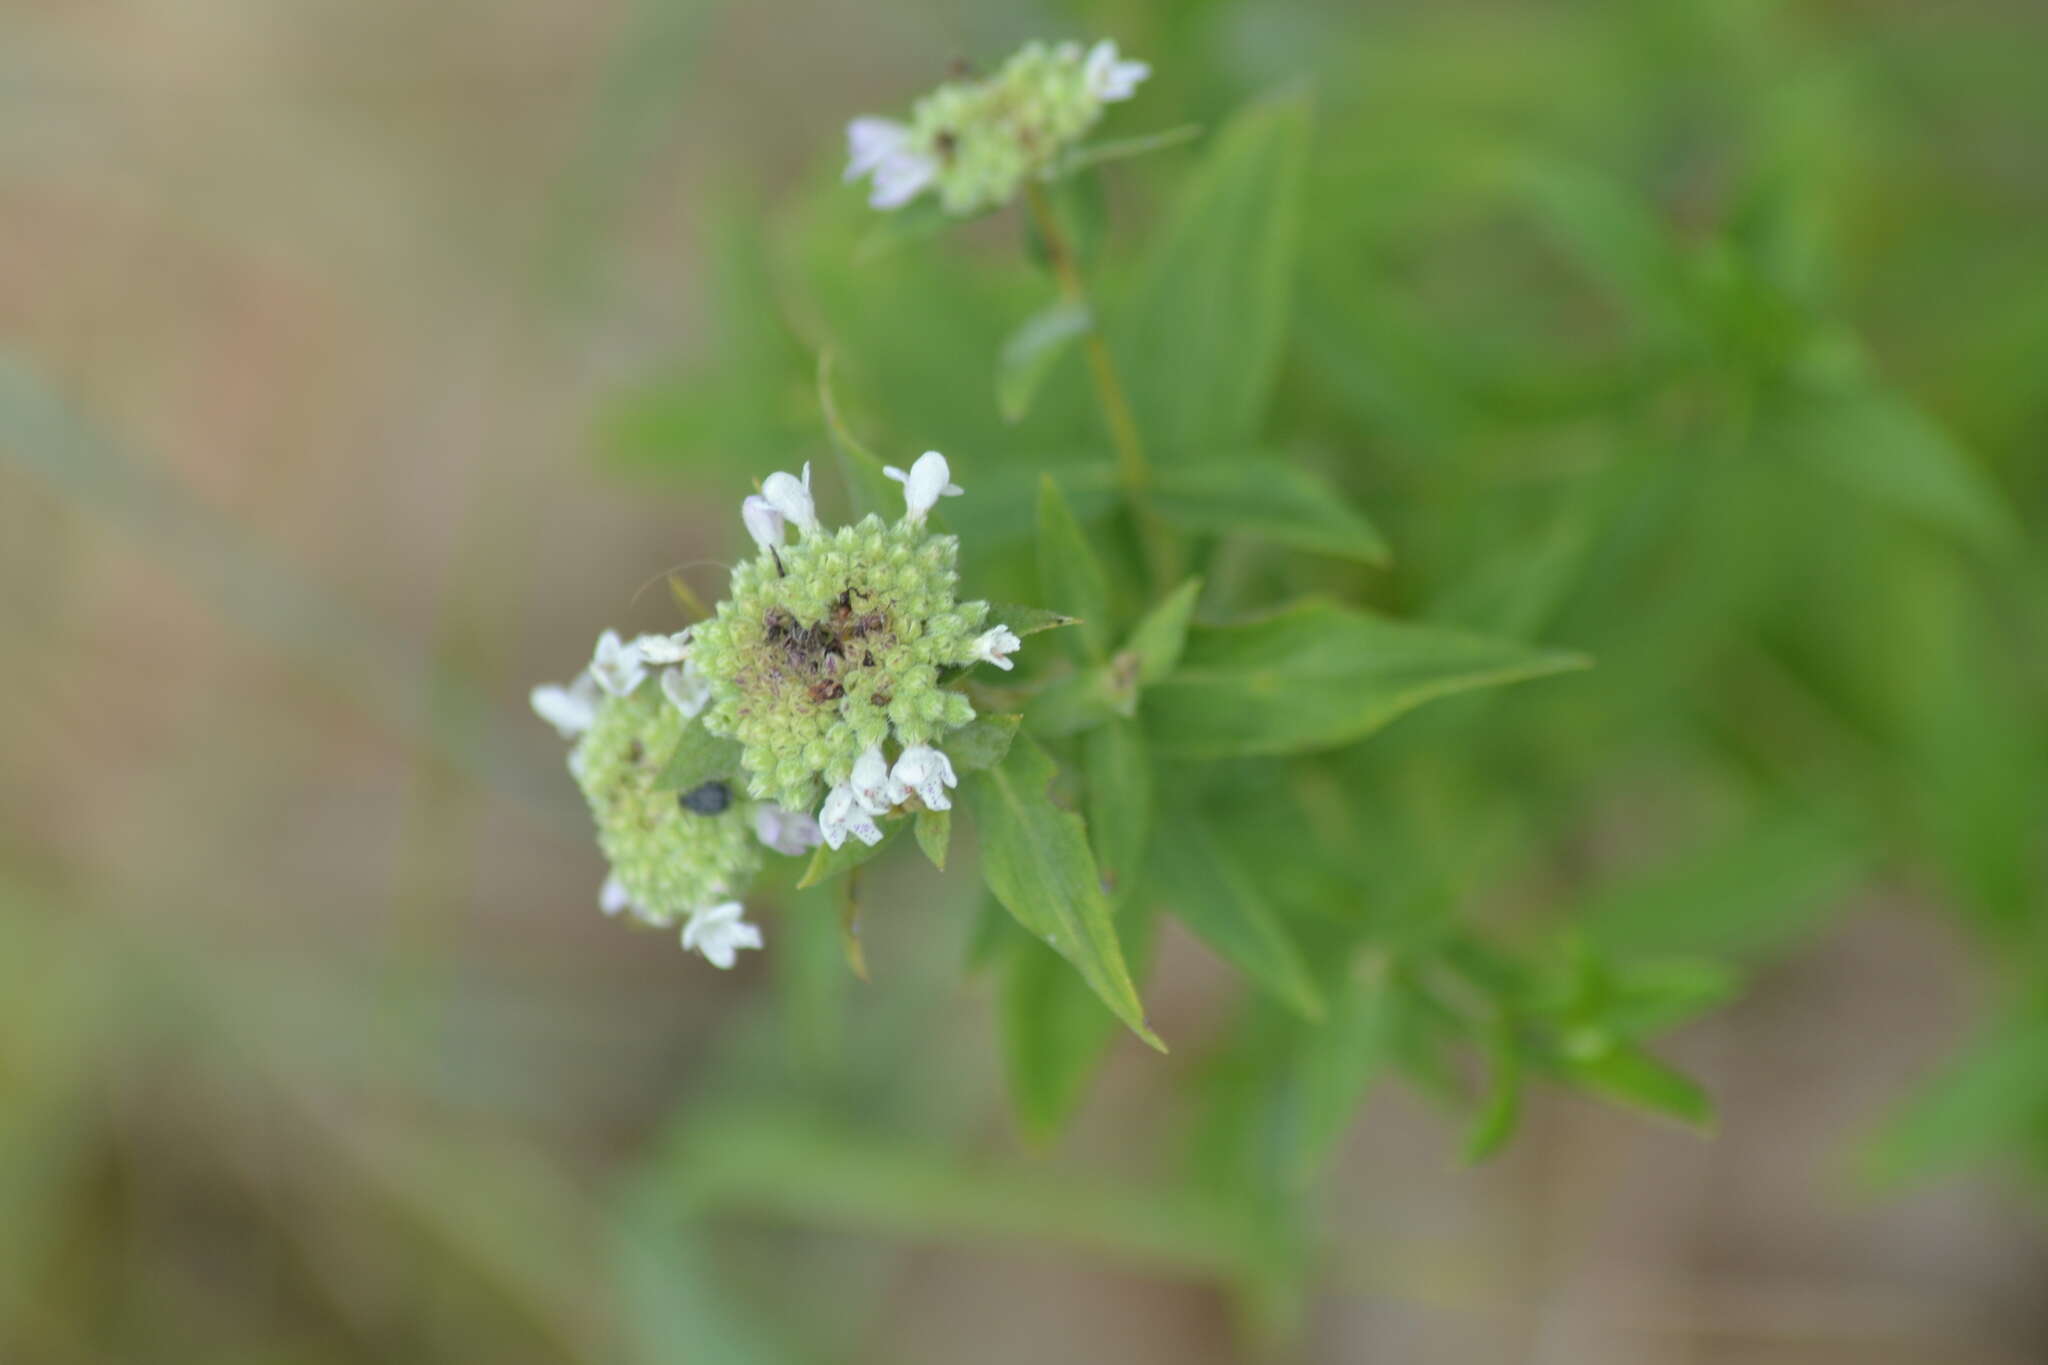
[(977, 141)]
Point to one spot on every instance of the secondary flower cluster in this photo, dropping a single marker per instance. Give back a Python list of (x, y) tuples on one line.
[(828, 651), (977, 141)]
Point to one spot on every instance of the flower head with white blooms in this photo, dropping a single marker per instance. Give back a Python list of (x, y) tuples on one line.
[(719, 933), (976, 142)]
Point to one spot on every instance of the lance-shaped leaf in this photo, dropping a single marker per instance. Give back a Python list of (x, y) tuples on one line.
[(1270, 500), (1023, 620), (1069, 574), (1158, 641), (830, 862), (1226, 907), (982, 742), (1028, 356), (1035, 858), (1318, 675)]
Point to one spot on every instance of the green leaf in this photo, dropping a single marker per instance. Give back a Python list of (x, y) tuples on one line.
[(1991, 1098), (1887, 450), (1119, 802), (1162, 636), (1028, 356), (1024, 620), (1498, 1118), (982, 742), (1343, 1055), (1226, 907), (700, 757), (1271, 501), (1122, 148), (1202, 336), (830, 862), (1069, 574), (867, 486), (934, 832), (1054, 1033), (1632, 1076), (1035, 859), (1317, 675)]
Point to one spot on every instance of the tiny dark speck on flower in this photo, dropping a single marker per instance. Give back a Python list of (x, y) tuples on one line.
[(710, 799)]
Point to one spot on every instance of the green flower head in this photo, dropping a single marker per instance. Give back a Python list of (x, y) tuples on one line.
[(977, 141)]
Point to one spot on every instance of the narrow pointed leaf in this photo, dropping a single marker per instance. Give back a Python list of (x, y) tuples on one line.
[(1268, 500), (1318, 675), (1226, 907), (700, 757), (1069, 574), (1160, 638), (1028, 356)]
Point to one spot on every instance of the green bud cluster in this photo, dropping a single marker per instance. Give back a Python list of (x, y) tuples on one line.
[(671, 861), (987, 136), (826, 647)]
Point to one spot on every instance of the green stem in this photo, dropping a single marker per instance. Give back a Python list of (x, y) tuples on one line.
[(1133, 472)]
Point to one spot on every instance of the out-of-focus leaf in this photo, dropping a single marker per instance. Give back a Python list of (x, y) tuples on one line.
[(1224, 904), (1202, 335), (1119, 802), (1161, 636), (1069, 574), (830, 862), (866, 485), (1122, 148), (1498, 1117), (1023, 620), (1342, 1056), (1887, 450), (982, 742), (1622, 1072), (1268, 500), (700, 757), (1318, 675), (1030, 352), (934, 832), (1994, 1096), (1035, 858)]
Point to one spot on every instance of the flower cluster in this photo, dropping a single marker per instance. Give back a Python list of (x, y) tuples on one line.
[(832, 647), (828, 651), (676, 857), (977, 141)]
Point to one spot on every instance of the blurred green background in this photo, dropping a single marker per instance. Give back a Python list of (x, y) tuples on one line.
[(358, 361)]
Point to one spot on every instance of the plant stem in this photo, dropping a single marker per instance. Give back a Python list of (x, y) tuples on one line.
[(1133, 472)]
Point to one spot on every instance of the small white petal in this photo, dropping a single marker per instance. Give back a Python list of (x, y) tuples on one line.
[(928, 481), (764, 523), (617, 667), (995, 645), (1107, 78), (789, 832), (719, 933), (870, 782), (664, 649), (870, 142), (900, 178), (791, 497), (842, 814), (927, 772), (614, 898), (572, 709), (687, 688)]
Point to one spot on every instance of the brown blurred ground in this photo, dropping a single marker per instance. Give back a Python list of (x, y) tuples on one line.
[(320, 272)]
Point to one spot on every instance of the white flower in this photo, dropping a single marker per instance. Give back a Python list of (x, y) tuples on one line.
[(718, 932), (1108, 79), (925, 771), (791, 497), (614, 897), (842, 814), (664, 649), (764, 523), (788, 832), (928, 481), (617, 667), (687, 687), (995, 645), (881, 148), (572, 709), (870, 781)]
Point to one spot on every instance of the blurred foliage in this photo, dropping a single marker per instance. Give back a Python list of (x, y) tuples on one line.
[(1700, 340)]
